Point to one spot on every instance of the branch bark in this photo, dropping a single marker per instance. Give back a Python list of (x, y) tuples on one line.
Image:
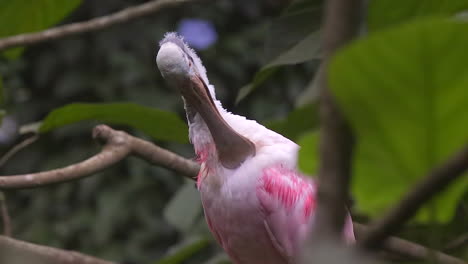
[(434, 183), (408, 249), (117, 146), (340, 25), (90, 25), (457, 242), (15, 251)]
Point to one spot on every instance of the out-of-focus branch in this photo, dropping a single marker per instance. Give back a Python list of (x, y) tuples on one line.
[(17, 148), (117, 146), (15, 251), (408, 249), (340, 25), (6, 220), (434, 183), (90, 25), (457, 242)]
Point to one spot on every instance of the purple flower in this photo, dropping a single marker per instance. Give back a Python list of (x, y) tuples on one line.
[(198, 33)]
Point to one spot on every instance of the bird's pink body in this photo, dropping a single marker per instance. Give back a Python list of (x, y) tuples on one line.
[(257, 205), (262, 211)]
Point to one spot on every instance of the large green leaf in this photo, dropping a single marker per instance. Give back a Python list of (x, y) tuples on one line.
[(293, 38), (156, 123), (306, 50), (384, 13), (404, 92), (308, 153), (298, 21), (184, 208), (21, 16), (299, 121)]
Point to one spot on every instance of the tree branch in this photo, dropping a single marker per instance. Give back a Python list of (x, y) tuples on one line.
[(90, 25), (117, 146), (15, 251), (17, 148), (434, 183), (341, 22), (457, 242), (408, 249)]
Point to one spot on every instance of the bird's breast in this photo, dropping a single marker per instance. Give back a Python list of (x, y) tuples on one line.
[(235, 217)]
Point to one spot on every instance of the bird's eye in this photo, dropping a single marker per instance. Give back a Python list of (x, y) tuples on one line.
[(190, 61)]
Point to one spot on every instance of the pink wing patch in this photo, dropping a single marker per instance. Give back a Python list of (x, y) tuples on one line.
[(287, 200), (289, 188)]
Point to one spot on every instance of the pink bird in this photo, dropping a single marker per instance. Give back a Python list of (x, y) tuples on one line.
[(257, 204)]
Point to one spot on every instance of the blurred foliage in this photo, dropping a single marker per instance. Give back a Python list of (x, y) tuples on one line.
[(412, 123), (308, 153), (22, 16), (289, 41), (404, 92), (135, 213), (158, 124), (294, 124), (385, 13), (185, 251)]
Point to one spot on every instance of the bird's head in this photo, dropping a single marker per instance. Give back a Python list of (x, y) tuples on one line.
[(183, 70), (173, 62), (178, 63)]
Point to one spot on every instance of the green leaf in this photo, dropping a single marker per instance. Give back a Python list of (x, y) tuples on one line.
[(404, 93), (384, 13), (184, 208), (305, 50), (297, 122), (308, 153), (259, 78), (293, 38), (297, 22), (185, 251), (156, 123), (311, 93), (24, 16), (220, 258)]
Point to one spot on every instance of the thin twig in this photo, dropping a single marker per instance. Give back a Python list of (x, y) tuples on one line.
[(117, 146), (434, 183), (90, 25), (6, 220), (408, 249), (460, 241), (15, 251), (28, 141), (340, 25)]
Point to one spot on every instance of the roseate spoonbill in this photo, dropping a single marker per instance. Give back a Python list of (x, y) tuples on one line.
[(258, 206)]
